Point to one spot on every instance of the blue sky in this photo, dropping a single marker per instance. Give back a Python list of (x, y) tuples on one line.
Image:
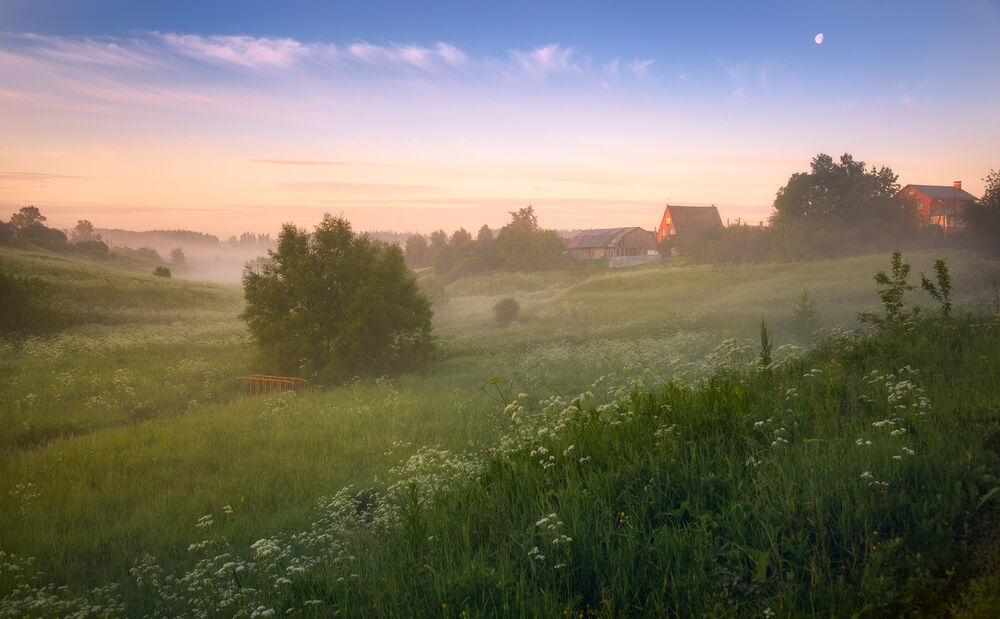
[(405, 115)]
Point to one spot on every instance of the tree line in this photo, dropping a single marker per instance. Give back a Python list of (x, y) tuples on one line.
[(839, 208), (521, 245)]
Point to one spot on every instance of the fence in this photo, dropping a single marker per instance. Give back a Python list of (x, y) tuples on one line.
[(262, 384)]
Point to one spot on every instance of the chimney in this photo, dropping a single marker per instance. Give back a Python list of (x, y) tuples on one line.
[(958, 184)]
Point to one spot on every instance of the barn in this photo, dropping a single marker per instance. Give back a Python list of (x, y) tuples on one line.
[(687, 220), (940, 205), (620, 246)]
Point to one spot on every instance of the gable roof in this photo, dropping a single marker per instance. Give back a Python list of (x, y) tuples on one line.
[(943, 192), (606, 237), (687, 219)]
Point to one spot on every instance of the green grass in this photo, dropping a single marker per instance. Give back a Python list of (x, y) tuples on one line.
[(129, 427)]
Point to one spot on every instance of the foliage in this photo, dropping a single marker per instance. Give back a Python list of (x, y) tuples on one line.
[(524, 246), (891, 291), (27, 217), (941, 291), (144, 253), (84, 232), (805, 318), (506, 310), (766, 345), (161, 271), (983, 216), (417, 254), (177, 256), (93, 248), (336, 306), (839, 208), (736, 244)]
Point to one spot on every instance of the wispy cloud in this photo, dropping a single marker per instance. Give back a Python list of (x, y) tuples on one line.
[(96, 51), (252, 52), (441, 56), (543, 61), (737, 78), (296, 162), (38, 177), (363, 188), (147, 55), (640, 68)]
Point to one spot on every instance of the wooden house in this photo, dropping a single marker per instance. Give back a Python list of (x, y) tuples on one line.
[(687, 220), (940, 205), (620, 246)]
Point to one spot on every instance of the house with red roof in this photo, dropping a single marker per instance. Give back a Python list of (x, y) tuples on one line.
[(940, 205)]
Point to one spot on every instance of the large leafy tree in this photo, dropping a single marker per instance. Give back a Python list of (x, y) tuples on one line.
[(524, 246), (983, 217), (838, 207), (26, 218), (335, 305)]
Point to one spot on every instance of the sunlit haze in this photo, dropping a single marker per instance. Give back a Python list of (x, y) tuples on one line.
[(232, 117)]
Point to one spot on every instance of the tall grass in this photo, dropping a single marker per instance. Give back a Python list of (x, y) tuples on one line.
[(136, 431)]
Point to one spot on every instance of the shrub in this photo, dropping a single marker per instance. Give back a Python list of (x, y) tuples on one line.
[(161, 271), (506, 310), (336, 305)]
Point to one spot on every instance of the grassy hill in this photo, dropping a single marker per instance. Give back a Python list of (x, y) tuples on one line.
[(123, 431)]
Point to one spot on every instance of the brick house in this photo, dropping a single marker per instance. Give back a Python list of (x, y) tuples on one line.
[(940, 205)]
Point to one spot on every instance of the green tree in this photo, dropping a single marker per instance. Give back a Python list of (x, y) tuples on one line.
[(891, 291), (524, 246), (837, 208), (983, 216), (416, 251), (27, 217), (177, 256), (84, 231), (460, 237), (336, 305)]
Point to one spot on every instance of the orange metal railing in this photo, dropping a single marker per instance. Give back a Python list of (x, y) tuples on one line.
[(264, 384)]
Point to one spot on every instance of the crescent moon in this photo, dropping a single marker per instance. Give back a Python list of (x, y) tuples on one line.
[(819, 38)]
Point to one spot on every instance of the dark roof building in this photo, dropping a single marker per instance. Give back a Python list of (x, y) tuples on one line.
[(940, 205), (623, 246), (687, 220)]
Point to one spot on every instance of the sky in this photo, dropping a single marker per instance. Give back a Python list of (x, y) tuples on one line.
[(230, 117)]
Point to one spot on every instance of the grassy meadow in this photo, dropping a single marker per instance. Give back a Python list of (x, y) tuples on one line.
[(619, 449)]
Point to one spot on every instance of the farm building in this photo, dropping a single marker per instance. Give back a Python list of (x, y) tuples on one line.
[(940, 205), (620, 246), (687, 220)]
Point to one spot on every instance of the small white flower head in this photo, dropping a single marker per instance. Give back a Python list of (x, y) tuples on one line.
[(866, 475)]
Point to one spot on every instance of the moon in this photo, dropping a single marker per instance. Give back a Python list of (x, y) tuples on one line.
[(819, 38)]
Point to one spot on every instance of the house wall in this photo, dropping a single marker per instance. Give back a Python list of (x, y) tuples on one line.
[(945, 214), (666, 226), (638, 242)]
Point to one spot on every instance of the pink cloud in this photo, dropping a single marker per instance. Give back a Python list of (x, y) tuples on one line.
[(543, 61), (252, 52)]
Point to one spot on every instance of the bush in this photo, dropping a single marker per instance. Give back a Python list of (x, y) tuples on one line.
[(506, 310), (336, 305), (93, 248), (161, 271), (736, 244)]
